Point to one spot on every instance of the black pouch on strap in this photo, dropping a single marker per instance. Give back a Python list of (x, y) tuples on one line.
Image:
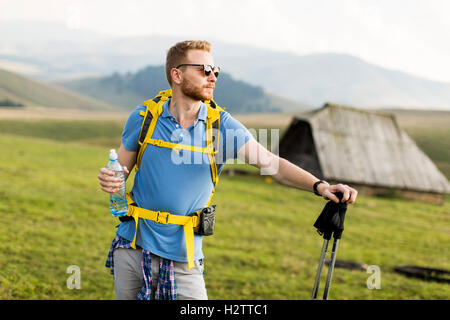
[(207, 218), (125, 218)]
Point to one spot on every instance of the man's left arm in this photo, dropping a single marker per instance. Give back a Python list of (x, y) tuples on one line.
[(289, 174)]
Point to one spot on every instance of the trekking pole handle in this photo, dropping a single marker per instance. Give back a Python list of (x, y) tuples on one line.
[(337, 234)]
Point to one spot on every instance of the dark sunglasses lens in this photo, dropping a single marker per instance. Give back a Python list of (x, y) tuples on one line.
[(207, 70)]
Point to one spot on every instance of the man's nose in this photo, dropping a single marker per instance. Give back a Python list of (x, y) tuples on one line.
[(212, 77)]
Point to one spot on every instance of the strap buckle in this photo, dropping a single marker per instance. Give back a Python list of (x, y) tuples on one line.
[(162, 217)]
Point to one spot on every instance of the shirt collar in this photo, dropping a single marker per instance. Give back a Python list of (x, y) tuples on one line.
[(202, 114)]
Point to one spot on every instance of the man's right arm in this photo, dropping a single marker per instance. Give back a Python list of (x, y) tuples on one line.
[(108, 182)]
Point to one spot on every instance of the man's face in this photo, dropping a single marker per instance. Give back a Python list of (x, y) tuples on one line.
[(194, 83)]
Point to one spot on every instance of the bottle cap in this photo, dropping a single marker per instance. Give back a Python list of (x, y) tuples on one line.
[(112, 154)]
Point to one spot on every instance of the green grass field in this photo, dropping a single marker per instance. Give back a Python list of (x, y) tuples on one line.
[(54, 215)]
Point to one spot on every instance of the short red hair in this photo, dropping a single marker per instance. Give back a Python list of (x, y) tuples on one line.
[(177, 54)]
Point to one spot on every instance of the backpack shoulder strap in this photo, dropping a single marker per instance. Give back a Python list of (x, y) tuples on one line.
[(151, 115), (154, 110), (213, 136)]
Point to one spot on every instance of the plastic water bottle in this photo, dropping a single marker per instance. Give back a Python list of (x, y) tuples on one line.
[(118, 200)]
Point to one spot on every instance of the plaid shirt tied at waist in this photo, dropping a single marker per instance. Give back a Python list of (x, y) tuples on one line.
[(166, 288)]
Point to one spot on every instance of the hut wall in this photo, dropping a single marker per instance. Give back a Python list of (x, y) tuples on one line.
[(297, 146)]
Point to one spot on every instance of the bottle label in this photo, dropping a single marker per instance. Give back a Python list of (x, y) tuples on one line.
[(118, 206)]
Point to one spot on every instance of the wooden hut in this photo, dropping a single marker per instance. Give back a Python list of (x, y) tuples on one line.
[(364, 149)]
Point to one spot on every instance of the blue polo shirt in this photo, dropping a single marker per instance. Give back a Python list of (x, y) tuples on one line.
[(179, 183)]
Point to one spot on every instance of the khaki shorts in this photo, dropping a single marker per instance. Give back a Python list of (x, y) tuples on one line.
[(128, 276)]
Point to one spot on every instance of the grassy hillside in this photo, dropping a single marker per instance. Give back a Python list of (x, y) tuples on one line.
[(429, 129), (18, 89), (55, 215), (91, 132), (438, 150)]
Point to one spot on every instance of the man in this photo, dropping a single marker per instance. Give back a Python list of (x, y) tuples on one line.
[(161, 267)]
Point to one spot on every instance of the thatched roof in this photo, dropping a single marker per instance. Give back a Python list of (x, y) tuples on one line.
[(368, 147)]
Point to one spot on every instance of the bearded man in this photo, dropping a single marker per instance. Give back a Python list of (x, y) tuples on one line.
[(153, 257)]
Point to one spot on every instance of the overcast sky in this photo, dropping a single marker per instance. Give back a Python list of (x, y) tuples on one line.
[(407, 35)]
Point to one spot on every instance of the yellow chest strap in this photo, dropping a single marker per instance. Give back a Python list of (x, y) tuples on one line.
[(151, 115)]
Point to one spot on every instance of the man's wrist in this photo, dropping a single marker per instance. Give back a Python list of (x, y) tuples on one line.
[(319, 186)]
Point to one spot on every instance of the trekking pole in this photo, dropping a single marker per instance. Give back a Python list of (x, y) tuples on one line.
[(330, 222), (320, 267), (330, 269)]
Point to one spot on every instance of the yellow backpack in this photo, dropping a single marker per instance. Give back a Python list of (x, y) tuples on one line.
[(151, 115)]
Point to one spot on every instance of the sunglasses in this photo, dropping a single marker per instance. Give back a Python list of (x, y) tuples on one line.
[(207, 69)]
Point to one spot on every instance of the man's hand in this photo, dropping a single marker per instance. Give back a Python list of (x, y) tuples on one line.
[(327, 191), (108, 182)]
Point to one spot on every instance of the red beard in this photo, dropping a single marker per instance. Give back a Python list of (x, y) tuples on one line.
[(195, 93)]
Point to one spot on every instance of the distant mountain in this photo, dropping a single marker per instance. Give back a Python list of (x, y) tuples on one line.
[(310, 79), (16, 91), (131, 89), (338, 78)]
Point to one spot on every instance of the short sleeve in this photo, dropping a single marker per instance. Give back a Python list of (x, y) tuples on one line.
[(234, 136), (130, 134)]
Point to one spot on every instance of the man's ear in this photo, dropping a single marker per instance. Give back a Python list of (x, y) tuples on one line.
[(176, 75)]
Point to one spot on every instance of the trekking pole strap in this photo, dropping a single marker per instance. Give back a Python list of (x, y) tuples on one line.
[(331, 219)]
